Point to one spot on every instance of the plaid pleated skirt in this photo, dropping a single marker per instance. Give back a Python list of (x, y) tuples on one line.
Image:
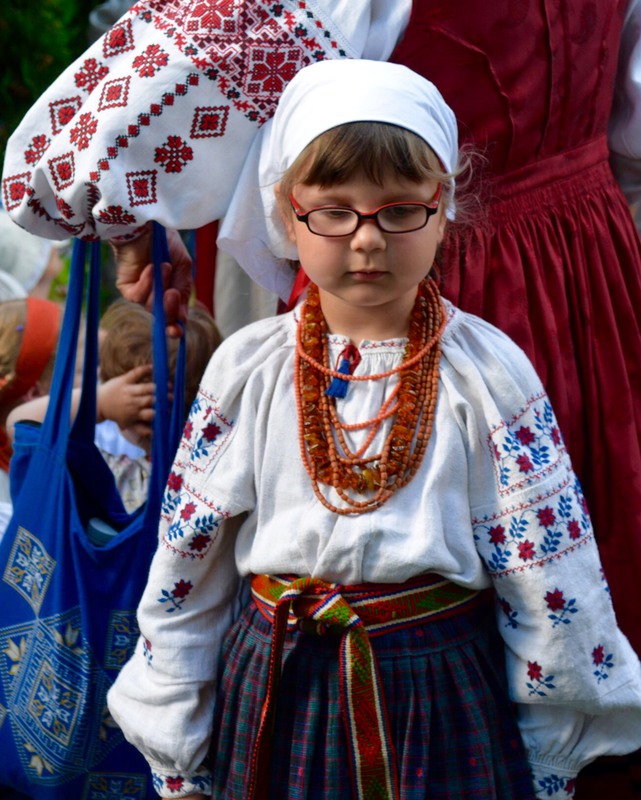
[(452, 723)]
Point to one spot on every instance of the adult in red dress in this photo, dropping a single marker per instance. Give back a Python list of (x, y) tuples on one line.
[(557, 263)]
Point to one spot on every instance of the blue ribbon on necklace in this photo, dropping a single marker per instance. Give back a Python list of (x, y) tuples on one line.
[(348, 360)]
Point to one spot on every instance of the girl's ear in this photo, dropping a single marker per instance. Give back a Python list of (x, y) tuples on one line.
[(286, 213)]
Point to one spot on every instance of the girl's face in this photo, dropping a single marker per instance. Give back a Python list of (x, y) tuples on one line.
[(369, 270)]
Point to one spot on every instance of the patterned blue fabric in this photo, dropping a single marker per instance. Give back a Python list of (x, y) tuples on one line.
[(68, 607)]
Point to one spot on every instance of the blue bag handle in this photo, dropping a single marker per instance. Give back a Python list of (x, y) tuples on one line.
[(54, 433), (56, 429), (164, 446), (85, 423)]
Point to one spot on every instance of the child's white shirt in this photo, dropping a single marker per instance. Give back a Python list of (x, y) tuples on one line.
[(494, 502)]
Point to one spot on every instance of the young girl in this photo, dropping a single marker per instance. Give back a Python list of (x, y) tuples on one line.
[(354, 476)]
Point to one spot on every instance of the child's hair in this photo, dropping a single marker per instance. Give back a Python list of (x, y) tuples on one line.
[(375, 150), (203, 337), (21, 371), (127, 343), (13, 315), (127, 338)]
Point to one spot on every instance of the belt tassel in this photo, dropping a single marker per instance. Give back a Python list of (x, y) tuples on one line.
[(318, 604)]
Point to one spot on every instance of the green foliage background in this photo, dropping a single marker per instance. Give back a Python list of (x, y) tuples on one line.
[(38, 39)]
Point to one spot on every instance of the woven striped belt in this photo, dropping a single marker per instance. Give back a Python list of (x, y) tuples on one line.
[(355, 613)]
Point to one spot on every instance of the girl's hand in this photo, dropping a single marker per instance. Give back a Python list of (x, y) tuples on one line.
[(134, 276), (127, 401)]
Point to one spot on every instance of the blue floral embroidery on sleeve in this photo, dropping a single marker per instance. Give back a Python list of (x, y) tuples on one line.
[(539, 681), (560, 607), (510, 613), (146, 651), (603, 663), (176, 596), (551, 784), (206, 431), (527, 446), (194, 526), (531, 533), (166, 785), (171, 496)]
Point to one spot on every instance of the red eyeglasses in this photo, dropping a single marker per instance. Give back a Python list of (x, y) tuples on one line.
[(390, 218)]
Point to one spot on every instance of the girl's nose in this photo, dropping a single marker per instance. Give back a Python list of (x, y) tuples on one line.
[(368, 236)]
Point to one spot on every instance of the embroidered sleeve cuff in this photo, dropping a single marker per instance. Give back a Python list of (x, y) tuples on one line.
[(177, 785), (552, 783), (130, 237)]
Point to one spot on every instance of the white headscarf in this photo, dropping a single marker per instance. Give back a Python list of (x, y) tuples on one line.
[(23, 256), (320, 97)]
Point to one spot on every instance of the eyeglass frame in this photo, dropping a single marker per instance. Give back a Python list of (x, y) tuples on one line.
[(431, 208)]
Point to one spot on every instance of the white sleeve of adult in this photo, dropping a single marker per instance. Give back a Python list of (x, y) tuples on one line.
[(155, 119)]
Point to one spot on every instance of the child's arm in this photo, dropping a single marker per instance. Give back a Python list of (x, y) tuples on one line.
[(35, 411), (163, 698), (123, 399), (571, 671)]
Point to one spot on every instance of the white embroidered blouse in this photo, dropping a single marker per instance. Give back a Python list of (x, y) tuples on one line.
[(495, 502)]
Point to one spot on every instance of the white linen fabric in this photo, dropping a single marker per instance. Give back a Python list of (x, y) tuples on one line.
[(109, 438), (23, 256), (10, 289), (132, 477), (6, 512), (320, 97), (6, 507), (494, 502), (5, 492), (155, 119)]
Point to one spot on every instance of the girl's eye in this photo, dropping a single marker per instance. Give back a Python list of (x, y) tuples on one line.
[(334, 214), (402, 212)]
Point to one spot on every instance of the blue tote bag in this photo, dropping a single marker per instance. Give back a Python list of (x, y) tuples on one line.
[(68, 606)]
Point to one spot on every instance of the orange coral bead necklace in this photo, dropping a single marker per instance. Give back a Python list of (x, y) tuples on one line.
[(326, 455)]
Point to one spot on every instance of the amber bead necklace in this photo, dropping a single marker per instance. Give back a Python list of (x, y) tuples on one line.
[(326, 455)]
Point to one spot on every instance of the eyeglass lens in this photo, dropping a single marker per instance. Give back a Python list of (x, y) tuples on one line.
[(399, 218)]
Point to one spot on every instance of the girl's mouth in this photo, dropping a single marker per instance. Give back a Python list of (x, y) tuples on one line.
[(367, 274)]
